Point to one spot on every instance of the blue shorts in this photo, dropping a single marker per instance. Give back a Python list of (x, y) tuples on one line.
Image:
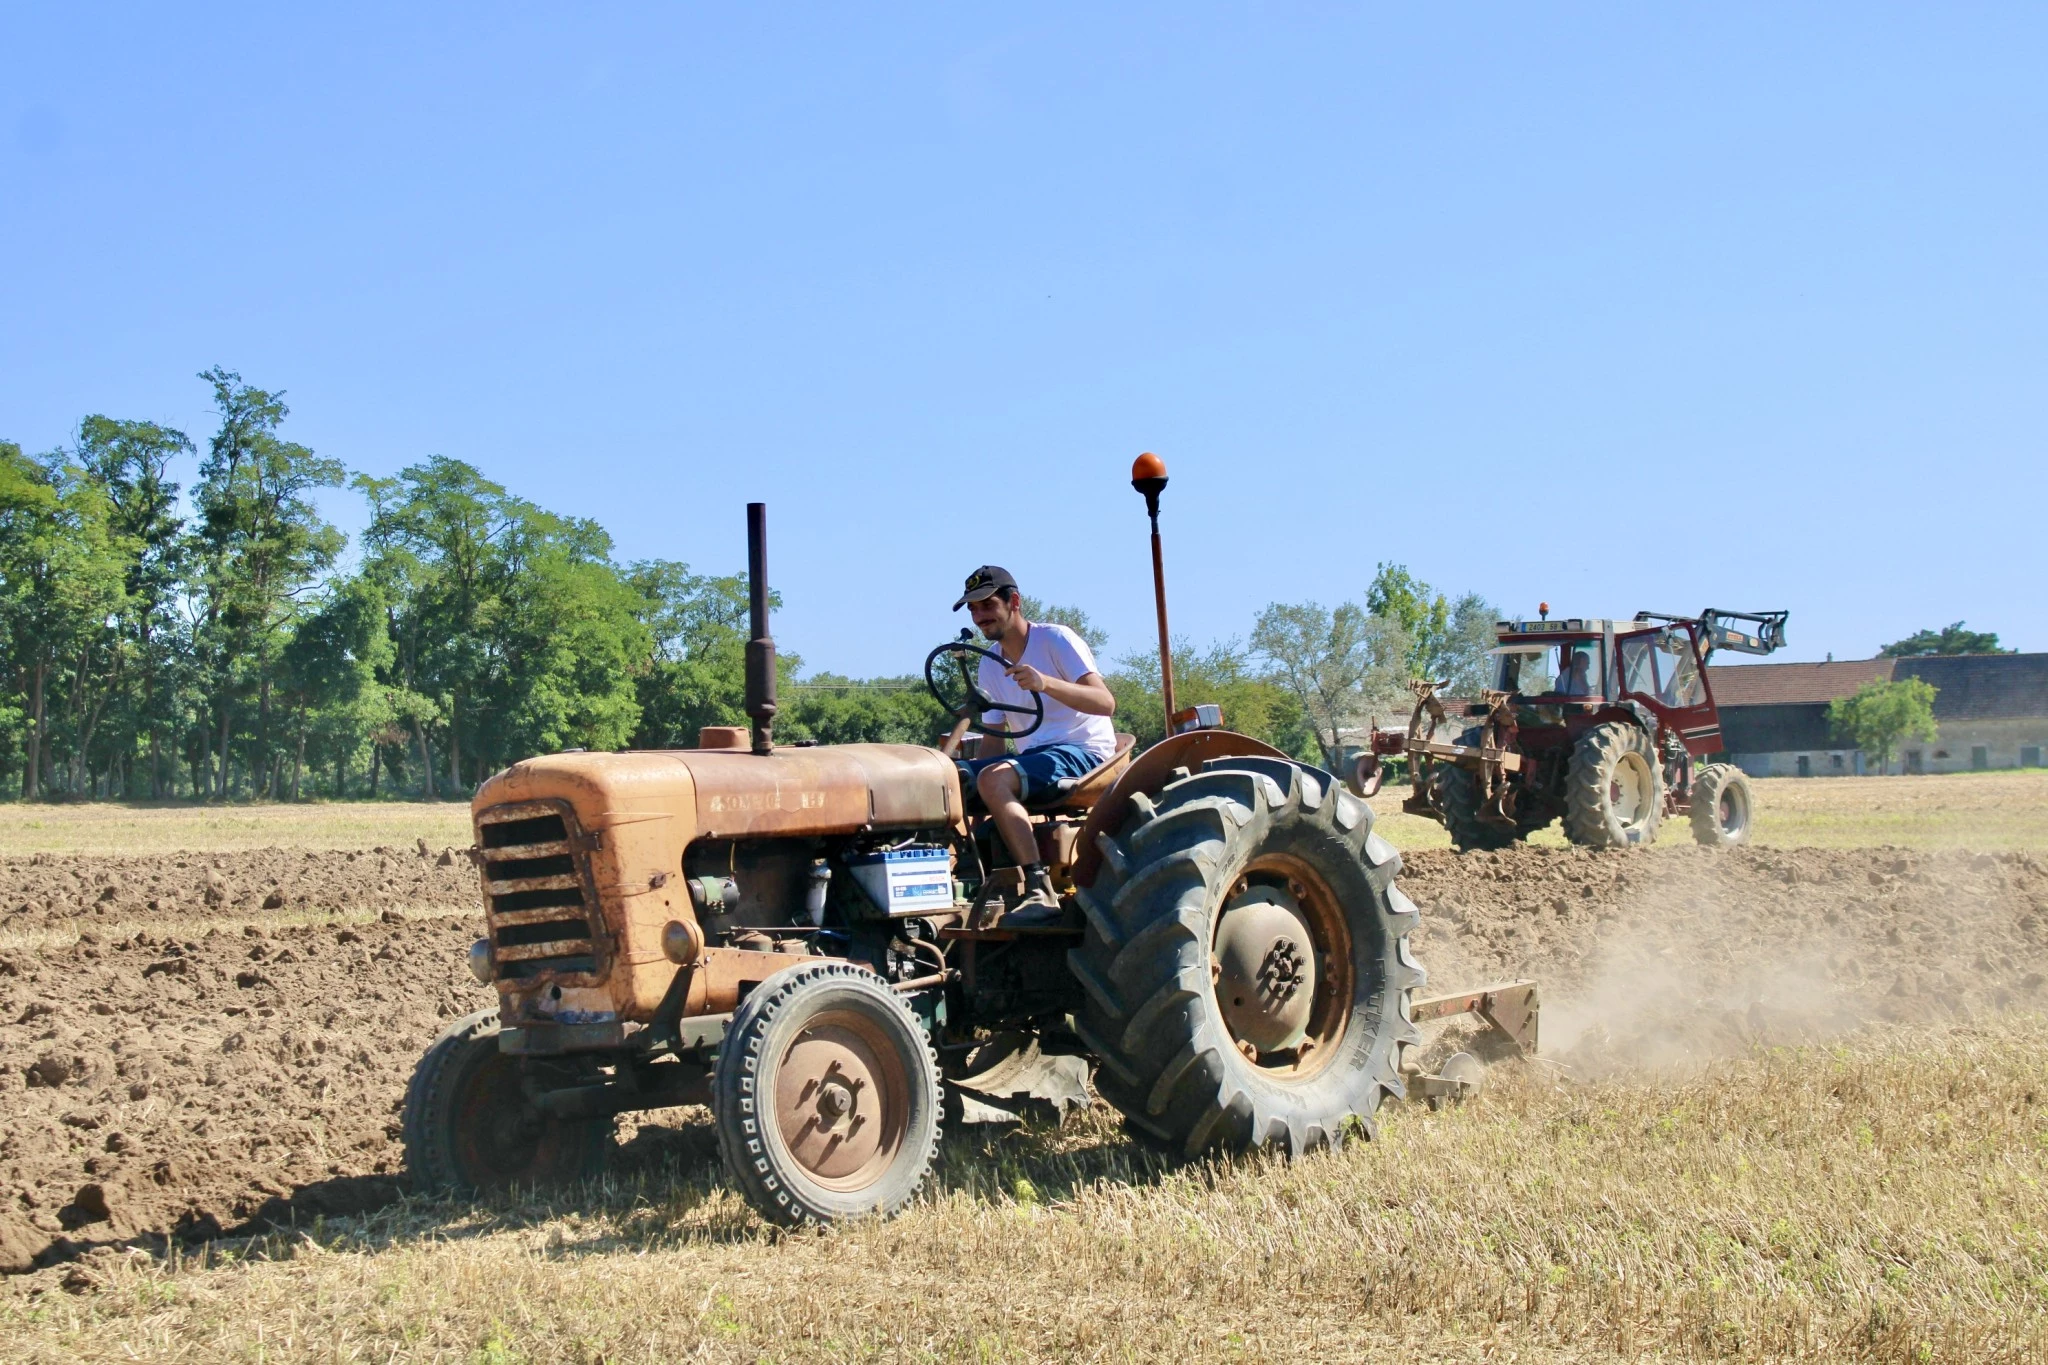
[(1039, 771)]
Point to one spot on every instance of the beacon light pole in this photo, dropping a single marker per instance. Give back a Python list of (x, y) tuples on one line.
[(1148, 476)]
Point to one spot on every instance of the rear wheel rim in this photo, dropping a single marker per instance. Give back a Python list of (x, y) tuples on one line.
[(1628, 790), (1325, 968), (842, 1100)]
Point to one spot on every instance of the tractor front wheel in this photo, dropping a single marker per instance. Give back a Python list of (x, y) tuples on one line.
[(826, 1096), (1613, 795), (1721, 807), (469, 1127)]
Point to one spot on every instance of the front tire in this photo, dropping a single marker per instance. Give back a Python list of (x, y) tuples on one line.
[(1723, 811), (1245, 963), (469, 1129), (1614, 797), (826, 1097)]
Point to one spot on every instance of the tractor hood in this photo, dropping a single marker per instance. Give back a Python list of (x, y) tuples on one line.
[(727, 793), (582, 854)]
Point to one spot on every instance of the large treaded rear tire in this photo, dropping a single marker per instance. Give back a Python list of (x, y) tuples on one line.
[(1458, 797), (468, 1129), (765, 1036), (1606, 757), (1723, 807), (1151, 1014)]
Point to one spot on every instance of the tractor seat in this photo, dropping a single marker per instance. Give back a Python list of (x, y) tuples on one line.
[(1081, 793)]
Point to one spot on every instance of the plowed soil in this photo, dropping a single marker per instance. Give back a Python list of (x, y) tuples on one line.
[(216, 1043)]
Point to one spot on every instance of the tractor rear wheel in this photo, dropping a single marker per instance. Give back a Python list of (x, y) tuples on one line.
[(469, 1128), (1721, 807), (1458, 797), (826, 1096), (1614, 797), (1245, 966)]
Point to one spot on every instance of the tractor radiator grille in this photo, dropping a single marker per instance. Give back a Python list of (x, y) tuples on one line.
[(536, 885)]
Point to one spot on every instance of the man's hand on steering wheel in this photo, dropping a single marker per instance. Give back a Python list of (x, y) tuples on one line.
[(973, 703)]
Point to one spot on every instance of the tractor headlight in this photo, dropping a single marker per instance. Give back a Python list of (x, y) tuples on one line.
[(480, 961)]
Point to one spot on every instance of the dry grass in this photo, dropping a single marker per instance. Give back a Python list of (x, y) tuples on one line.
[(1878, 1200), (1983, 811), (117, 827)]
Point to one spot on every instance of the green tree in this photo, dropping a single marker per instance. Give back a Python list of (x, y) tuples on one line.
[(1950, 639), (130, 463), (1880, 714), (1333, 661), (60, 587), (1225, 675), (1447, 639), (513, 632), (832, 709), (330, 680), (260, 545)]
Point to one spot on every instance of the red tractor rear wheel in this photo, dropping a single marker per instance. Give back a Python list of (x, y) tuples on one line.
[(1614, 797)]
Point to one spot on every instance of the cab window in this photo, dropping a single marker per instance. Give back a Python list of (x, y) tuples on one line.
[(1571, 670), (1638, 673), (1527, 671), (1678, 674)]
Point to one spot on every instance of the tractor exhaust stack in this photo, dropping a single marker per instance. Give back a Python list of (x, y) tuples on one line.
[(760, 644)]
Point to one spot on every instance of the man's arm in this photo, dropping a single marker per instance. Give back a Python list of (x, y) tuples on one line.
[(1088, 694), (992, 746)]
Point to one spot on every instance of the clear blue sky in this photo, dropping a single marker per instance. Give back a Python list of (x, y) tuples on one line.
[(1622, 307)]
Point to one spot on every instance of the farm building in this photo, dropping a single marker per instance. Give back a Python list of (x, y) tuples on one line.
[(1991, 711)]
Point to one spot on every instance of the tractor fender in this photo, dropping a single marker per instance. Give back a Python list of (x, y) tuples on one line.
[(1148, 774)]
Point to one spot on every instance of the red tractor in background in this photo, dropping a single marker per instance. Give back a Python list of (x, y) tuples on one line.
[(1604, 725)]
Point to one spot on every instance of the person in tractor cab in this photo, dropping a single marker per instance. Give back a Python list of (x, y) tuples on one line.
[(1578, 674), (1074, 739)]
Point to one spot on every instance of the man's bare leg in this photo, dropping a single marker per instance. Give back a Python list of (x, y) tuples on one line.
[(1001, 794)]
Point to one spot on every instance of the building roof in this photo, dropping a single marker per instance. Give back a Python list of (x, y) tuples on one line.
[(1982, 686), (1776, 684), (1967, 686)]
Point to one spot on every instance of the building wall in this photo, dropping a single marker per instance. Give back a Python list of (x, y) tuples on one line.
[(1963, 745), (1960, 746), (1819, 763)]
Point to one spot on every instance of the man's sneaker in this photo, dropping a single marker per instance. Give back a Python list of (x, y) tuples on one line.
[(1040, 908)]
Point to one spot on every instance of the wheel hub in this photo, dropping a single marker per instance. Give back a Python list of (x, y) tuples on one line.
[(832, 1102), (1628, 791), (1265, 972)]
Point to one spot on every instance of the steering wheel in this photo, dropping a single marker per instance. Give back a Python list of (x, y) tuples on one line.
[(965, 657)]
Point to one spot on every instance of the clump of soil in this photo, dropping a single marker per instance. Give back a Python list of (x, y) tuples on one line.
[(158, 1083), (56, 890), (1669, 957)]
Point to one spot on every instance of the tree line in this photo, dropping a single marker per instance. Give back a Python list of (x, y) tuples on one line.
[(160, 642)]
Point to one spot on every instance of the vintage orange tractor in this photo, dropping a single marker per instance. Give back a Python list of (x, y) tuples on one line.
[(1603, 724), (804, 938)]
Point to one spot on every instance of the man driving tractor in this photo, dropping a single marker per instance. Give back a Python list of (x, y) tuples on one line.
[(1074, 739)]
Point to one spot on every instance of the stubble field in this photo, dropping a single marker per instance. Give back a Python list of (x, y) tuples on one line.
[(1792, 1104)]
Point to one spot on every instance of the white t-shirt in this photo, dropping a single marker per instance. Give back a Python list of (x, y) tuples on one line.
[(1056, 652)]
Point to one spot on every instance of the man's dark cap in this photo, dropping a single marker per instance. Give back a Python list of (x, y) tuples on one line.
[(986, 581)]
